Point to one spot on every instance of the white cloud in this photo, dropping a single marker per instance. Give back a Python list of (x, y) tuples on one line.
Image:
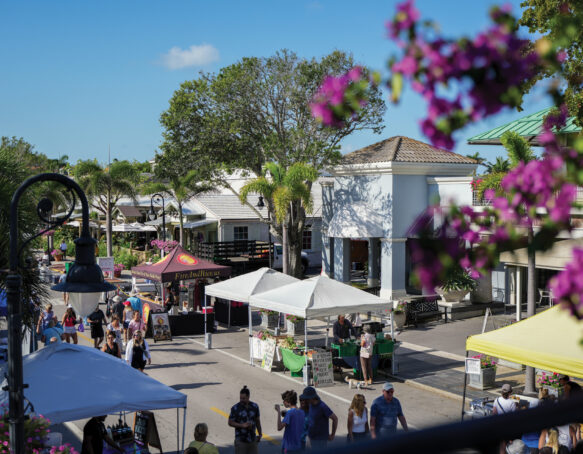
[(177, 58)]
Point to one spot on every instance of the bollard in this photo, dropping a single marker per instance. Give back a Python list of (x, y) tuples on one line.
[(208, 341), (306, 375)]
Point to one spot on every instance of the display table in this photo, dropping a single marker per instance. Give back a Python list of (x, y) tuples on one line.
[(191, 323), (239, 315), (127, 448), (349, 353)]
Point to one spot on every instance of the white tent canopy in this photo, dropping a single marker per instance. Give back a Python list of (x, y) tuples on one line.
[(241, 288), (318, 297), (69, 382)]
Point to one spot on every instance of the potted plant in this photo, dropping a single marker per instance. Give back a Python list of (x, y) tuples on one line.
[(457, 285), (550, 382), (487, 376), (57, 254), (400, 314), (269, 318), (117, 269), (294, 324)]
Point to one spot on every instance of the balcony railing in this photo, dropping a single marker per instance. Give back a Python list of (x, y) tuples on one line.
[(480, 202)]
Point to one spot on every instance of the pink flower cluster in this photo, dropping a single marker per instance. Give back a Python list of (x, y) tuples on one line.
[(482, 75), (567, 286), (339, 98), (165, 246)]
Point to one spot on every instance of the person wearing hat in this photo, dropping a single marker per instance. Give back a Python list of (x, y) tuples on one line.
[(319, 414), (135, 301), (117, 306), (504, 404), (384, 413)]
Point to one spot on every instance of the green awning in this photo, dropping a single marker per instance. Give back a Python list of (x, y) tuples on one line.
[(528, 127)]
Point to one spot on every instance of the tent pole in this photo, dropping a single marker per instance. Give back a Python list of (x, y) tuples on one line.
[(307, 377), (465, 386), (183, 426), (250, 335), (327, 330), (177, 429), (394, 358), (229, 317), (205, 310)]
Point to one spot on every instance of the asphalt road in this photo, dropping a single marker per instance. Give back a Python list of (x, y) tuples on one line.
[(212, 379)]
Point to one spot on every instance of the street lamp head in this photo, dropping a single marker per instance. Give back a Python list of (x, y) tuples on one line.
[(84, 276), (152, 214), (260, 203)]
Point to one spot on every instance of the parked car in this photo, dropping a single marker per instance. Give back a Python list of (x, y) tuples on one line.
[(309, 258)]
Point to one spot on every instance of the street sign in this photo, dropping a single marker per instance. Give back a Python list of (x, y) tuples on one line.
[(473, 366), (106, 265)]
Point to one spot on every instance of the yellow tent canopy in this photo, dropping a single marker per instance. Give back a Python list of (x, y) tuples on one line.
[(549, 340)]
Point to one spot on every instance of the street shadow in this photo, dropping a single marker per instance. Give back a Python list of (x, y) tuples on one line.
[(180, 386), (173, 350), (165, 366)]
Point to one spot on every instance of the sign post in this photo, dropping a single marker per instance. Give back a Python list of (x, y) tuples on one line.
[(323, 372), (268, 354)]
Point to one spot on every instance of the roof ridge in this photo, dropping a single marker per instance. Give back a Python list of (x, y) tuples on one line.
[(396, 147)]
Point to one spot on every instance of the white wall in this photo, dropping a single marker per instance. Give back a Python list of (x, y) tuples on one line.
[(445, 190)]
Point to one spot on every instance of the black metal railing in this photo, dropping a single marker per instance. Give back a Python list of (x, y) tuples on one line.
[(482, 435)]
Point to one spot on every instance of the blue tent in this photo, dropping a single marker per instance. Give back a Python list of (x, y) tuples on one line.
[(3, 308)]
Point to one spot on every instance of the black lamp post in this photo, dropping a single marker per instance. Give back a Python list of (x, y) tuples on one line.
[(152, 214), (261, 204), (84, 276)]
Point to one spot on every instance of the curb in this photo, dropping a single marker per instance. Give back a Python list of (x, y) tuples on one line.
[(425, 387)]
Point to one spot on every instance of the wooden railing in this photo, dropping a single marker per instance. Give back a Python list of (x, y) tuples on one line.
[(224, 251)]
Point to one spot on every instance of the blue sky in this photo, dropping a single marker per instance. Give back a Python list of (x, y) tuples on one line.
[(79, 76)]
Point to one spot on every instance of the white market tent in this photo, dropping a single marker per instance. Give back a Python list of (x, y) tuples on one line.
[(319, 297), (241, 288), (97, 382)]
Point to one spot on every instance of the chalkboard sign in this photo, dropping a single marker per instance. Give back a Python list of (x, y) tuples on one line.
[(161, 327), (145, 429), (267, 361), (322, 369)]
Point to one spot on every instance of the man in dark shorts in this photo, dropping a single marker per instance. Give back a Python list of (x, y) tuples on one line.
[(117, 306), (94, 434), (97, 319), (319, 416)]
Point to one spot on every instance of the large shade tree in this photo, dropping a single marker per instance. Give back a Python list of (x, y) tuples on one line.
[(105, 185), (254, 112)]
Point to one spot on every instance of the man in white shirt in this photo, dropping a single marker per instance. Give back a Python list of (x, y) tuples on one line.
[(504, 404)]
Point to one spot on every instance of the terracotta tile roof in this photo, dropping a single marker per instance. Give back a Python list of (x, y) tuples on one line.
[(403, 149), (131, 211)]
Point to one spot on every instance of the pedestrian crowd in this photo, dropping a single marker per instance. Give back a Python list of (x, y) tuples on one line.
[(563, 439), (124, 333)]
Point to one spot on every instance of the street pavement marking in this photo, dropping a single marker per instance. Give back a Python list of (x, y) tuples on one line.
[(431, 351), (267, 437)]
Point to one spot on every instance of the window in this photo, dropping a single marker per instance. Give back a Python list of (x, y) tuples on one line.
[(307, 240), (241, 233)]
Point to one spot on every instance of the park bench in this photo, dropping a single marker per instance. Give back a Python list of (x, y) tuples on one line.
[(422, 309)]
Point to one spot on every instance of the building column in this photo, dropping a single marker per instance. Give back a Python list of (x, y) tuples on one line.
[(342, 259), (327, 242), (518, 293), (512, 285), (393, 268), (327, 255), (374, 254)]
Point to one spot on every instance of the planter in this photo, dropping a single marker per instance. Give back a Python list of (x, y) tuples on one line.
[(295, 328), (399, 318), (453, 296), (484, 380), (58, 257), (269, 321), (116, 273)]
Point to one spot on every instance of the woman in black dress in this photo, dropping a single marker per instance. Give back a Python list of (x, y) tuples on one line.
[(138, 352)]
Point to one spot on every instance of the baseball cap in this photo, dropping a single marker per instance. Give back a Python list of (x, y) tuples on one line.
[(506, 388), (388, 386)]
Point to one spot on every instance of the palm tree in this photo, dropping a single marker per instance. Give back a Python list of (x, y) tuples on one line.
[(518, 151), (478, 158), (288, 196), (180, 188), (105, 186)]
